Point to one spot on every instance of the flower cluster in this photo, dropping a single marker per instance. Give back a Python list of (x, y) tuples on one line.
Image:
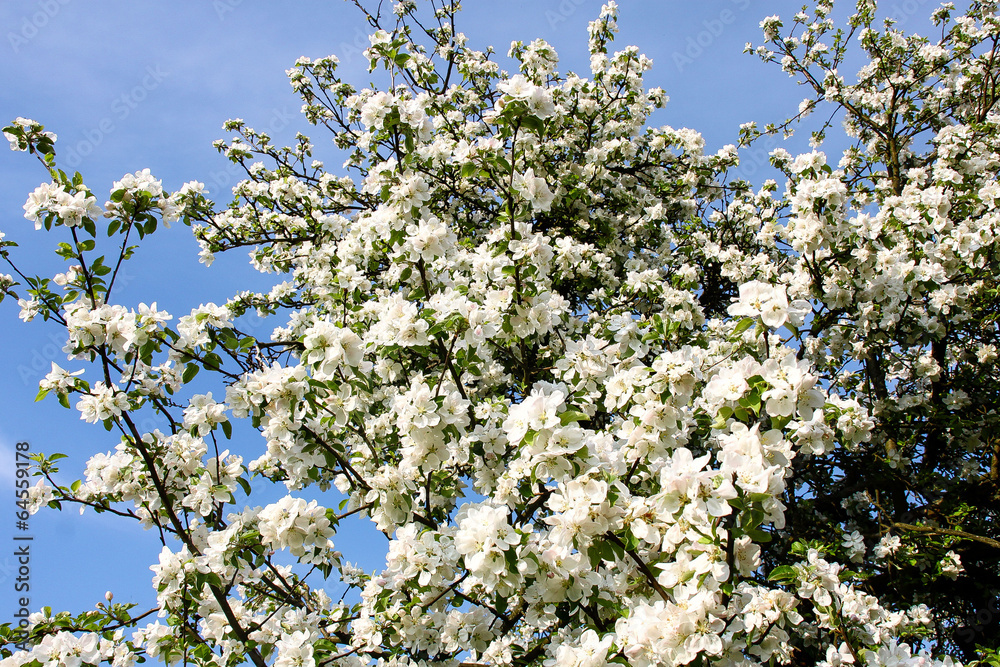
[(604, 401), (53, 201), (302, 528)]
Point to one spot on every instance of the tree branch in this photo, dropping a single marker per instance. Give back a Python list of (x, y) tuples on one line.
[(948, 531)]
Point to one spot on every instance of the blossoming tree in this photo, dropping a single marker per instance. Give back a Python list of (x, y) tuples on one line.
[(607, 402)]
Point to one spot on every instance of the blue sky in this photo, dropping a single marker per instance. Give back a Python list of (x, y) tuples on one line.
[(133, 84)]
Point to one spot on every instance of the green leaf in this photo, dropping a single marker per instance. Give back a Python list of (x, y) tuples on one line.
[(213, 362), (533, 123), (227, 428), (631, 541), (189, 372), (782, 573), (594, 554), (744, 324), (751, 402), (571, 416)]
